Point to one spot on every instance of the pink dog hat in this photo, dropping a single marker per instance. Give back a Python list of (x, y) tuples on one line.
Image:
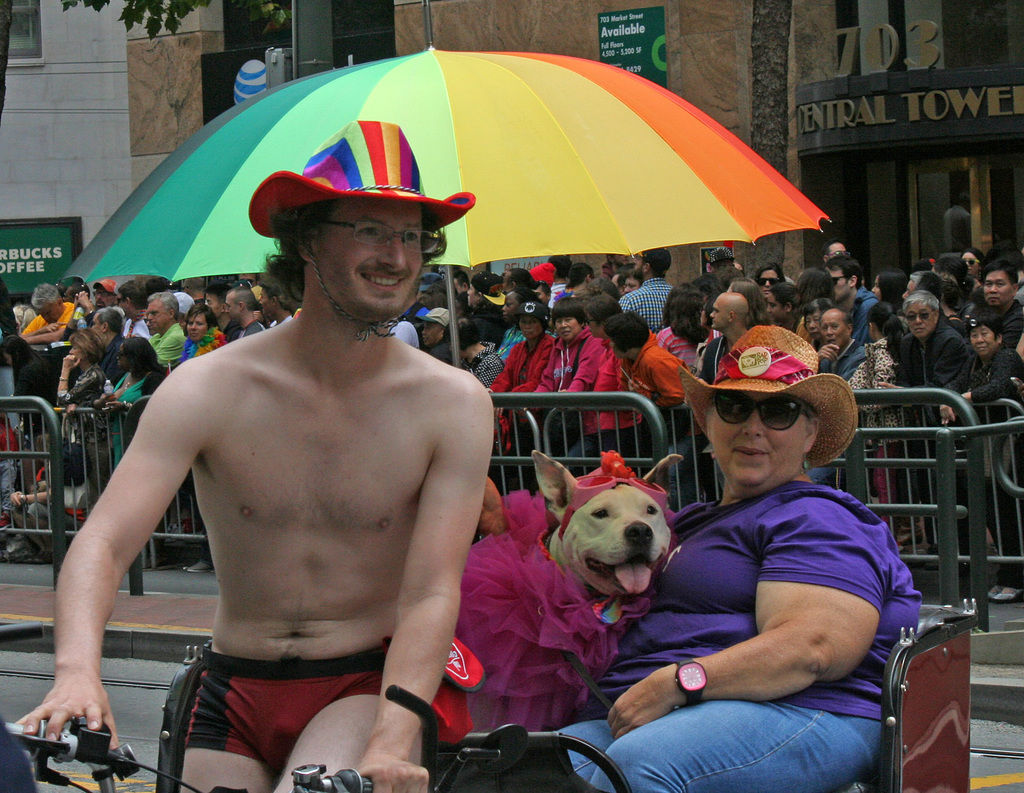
[(612, 473)]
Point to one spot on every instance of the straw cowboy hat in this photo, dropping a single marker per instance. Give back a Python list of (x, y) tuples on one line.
[(771, 360), (363, 158)]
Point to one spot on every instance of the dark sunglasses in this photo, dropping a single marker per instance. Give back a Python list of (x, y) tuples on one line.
[(768, 281), (776, 413)]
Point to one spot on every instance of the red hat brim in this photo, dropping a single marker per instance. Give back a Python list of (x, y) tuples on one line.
[(285, 191)]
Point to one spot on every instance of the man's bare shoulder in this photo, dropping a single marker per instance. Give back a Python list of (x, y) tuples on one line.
[(442, 379)]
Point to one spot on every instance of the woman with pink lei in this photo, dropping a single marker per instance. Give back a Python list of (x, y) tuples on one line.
[(202, 335)]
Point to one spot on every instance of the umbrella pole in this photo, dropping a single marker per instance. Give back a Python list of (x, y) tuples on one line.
[(453, 325), (428, 25)]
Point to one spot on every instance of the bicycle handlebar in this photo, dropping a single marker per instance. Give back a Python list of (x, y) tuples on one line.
[(311, 779), (76, 742), (20, 630)]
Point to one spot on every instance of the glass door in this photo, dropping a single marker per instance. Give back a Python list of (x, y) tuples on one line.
[(965, 202)]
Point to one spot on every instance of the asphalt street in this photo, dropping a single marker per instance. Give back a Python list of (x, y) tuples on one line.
[(138, 714), (137, 710)]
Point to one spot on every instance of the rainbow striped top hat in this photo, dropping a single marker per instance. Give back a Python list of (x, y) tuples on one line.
[(363, 158)]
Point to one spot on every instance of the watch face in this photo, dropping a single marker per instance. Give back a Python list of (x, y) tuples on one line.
[(691, 677)]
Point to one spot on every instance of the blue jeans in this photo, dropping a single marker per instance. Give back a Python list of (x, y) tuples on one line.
[(729, 746)]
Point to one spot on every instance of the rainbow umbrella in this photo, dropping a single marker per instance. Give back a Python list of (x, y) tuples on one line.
[(565, 155)]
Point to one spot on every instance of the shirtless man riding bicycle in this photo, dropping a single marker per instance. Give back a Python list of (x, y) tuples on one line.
[(340, 474)]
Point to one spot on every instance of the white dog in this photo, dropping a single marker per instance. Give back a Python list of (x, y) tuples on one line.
[(539, 589), (612, 532)]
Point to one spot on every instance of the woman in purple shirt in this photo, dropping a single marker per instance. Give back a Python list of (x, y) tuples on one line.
[(759, 665)]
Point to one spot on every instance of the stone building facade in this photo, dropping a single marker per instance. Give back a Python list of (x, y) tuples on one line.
[(65, 162), (897, 116)]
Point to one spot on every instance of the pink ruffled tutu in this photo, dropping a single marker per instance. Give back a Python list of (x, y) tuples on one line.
[(519, 611)]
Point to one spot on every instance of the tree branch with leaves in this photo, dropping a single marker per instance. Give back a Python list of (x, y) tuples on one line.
[(166, 15)]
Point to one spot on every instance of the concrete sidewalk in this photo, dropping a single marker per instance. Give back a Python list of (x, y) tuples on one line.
[(177, 611), (179, 607)]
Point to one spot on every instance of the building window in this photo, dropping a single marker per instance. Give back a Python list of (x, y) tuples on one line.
[(26, 41)]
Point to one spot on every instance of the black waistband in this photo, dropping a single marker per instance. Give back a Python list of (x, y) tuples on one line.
[(293, 668)]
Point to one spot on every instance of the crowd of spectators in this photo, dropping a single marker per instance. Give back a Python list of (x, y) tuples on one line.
[(92, 351), (953, 323)]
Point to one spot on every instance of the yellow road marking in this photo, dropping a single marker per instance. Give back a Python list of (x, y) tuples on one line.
[(130, 784), (24, 618), (982, 782)]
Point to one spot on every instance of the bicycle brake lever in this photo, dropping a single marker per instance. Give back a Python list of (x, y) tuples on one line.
[(93, 745), (122, 761)]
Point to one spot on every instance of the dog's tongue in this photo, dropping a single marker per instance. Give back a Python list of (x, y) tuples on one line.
[(634, 577)]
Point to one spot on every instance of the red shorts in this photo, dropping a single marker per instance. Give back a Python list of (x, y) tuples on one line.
[(258, 709)]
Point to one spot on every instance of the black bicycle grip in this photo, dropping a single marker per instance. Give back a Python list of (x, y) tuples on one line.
[(349, 781)]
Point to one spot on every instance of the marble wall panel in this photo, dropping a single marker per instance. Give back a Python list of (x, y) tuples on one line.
[(564, 28), (710, 16), (813, 41), (164, 92), (708, 75)]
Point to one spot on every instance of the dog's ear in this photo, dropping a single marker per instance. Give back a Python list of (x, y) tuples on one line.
[(556, 483), (659, 474)]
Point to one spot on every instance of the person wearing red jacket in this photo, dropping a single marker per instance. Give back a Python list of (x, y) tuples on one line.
[(522, 373), (528, 359)]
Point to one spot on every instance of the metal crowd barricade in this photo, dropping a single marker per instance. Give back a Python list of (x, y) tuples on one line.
[(922, 463), (941, 453), (181, 520), (97, 439), (1002, 472), (35, 424), (565, 427)]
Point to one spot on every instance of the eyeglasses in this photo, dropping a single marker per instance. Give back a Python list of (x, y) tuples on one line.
[(924, 316), (776, 413), (369, 232), (836, 279), (768, 281)]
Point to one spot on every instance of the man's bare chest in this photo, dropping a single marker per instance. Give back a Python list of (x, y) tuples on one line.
[(340, 469)]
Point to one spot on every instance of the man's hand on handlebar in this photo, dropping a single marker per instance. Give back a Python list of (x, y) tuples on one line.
[(392, 774), (73, 694)]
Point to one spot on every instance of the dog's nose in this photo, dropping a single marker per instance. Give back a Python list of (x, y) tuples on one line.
[(639, 534)]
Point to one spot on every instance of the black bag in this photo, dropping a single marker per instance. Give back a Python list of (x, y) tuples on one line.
[(540, 763), (74, 457)]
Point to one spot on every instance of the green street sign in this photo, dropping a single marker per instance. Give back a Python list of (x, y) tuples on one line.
[(33, 252), (634, 40)]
